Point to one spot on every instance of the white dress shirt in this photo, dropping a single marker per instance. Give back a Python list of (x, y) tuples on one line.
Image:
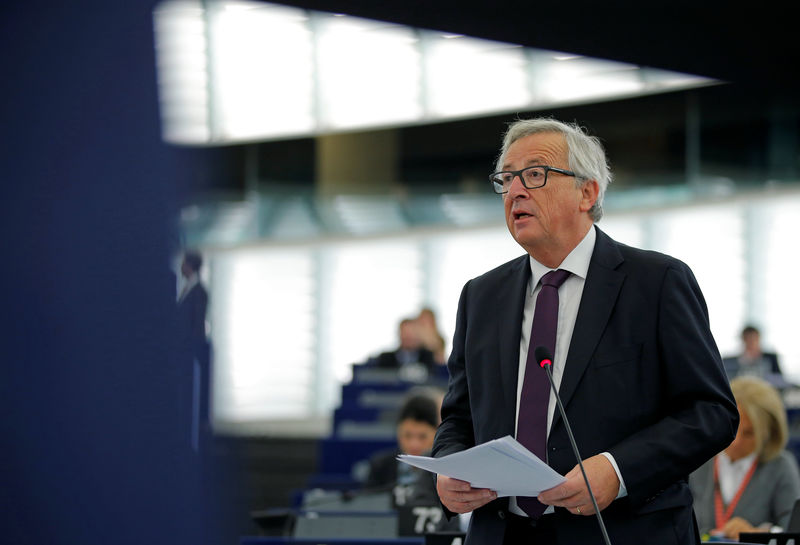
[(732, 474), (569, 300)]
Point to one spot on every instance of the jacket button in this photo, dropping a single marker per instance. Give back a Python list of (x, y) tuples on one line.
[(501, 514)]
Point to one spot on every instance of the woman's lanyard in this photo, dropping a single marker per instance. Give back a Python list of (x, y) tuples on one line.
[(722, 515)]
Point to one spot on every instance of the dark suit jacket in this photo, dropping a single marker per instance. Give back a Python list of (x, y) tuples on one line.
[(643, 380), (384, 473), (192, 321), (382, 469), (390, 359), (732, 365)]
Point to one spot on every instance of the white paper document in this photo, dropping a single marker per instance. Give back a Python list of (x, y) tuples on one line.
[(502, 465)]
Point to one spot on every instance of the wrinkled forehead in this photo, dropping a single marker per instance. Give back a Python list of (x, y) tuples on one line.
[(543, 148)]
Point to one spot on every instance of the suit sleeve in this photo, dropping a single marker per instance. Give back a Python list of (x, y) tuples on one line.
[(456, 430), (699, 416)]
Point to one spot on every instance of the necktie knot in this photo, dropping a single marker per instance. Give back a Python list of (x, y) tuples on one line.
[(555, 278)]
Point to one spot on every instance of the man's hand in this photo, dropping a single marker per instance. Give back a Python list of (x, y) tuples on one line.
[(573, 494), (460, 497)]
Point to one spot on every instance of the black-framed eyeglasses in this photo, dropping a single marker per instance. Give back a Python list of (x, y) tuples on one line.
[(532, 177)]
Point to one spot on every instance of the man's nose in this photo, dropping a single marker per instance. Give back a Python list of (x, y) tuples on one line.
[(517, 189)]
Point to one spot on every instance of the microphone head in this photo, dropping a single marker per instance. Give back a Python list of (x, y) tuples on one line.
[(543, 356)]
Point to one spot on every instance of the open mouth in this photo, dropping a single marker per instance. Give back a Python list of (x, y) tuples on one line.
[(520, 215)]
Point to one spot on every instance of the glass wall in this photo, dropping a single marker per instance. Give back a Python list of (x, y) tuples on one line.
[(238, 71), (287, 321)]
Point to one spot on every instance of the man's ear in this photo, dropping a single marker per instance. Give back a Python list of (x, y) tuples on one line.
[(589, 192)]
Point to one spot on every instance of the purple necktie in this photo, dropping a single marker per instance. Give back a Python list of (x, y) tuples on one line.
[(532, 419)]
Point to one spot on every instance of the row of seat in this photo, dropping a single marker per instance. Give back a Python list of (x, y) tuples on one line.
[(365, 421)]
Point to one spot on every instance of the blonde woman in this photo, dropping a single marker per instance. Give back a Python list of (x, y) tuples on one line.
[(752, 485)]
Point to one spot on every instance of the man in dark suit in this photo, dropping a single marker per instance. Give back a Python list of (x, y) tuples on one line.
[(639, 373), (753, 361), (192, 306), (410, 350), (416, 426)]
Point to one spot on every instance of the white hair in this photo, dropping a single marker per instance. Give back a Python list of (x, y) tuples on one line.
[(586, 156)]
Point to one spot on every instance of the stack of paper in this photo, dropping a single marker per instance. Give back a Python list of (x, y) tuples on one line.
[(502, 465)]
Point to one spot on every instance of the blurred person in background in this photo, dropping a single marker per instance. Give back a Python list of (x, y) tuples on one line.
[(752, 485), (753, 361), (430, 336), (192, 306), (416, 426), (411, 351), (194, 344)]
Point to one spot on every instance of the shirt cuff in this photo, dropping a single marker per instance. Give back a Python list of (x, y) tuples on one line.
[(623, 491)]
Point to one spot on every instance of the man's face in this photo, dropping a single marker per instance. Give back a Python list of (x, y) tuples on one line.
[(409, 336), (552, 217), (415, 437), (186, 269), (752, 341)]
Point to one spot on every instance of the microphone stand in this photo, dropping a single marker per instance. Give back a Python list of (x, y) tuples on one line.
[(546, 363)]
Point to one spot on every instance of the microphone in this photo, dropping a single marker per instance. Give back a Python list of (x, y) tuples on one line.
[(545, 359)]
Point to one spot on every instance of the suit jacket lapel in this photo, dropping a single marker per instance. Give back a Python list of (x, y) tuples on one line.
[(600, 292), (510, 302)]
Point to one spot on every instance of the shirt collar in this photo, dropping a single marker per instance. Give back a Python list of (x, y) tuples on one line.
[(740, 465), (190, 282), (577, 262)]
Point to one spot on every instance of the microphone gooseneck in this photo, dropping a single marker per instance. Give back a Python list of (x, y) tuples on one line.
[(545, 359)]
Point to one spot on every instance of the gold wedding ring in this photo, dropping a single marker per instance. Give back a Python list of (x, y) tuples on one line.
[(578, 509)]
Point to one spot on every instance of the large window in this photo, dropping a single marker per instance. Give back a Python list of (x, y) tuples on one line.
[(288, 321), (773, 263), (237, 70), (710, 239), (368, 288), (263, 328)]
